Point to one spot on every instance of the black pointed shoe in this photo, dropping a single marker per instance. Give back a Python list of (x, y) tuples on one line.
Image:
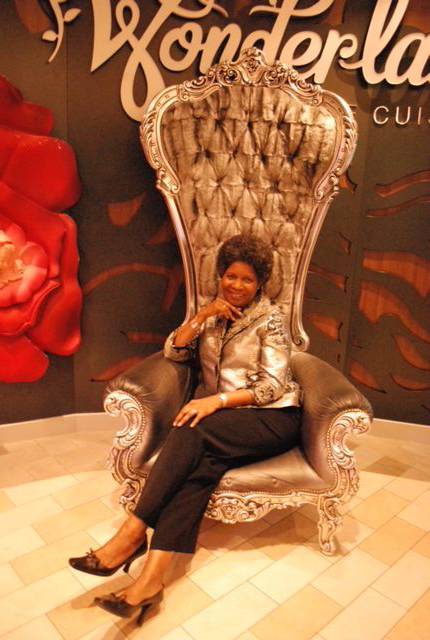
[(90, 563), (118, 605)]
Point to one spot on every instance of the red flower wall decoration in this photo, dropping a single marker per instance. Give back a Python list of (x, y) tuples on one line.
[(40, 297)]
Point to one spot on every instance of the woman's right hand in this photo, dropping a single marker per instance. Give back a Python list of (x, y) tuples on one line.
[(219, 307), (222, 309)]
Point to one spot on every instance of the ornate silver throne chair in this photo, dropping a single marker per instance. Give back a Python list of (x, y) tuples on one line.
[(248, 147)]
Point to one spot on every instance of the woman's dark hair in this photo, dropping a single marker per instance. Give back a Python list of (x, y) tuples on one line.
[(246, 248)]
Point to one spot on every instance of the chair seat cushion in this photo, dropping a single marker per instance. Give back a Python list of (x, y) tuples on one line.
[(279, 474)]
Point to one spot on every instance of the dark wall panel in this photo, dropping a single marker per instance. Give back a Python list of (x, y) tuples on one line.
[(366, 304)]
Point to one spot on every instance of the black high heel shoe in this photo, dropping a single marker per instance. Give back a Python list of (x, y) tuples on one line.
[(119, 606), (90, 563)]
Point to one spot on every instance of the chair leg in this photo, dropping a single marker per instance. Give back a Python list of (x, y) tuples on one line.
[(330, 520)]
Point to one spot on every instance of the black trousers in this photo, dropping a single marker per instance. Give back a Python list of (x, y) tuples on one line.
[(192, 462)]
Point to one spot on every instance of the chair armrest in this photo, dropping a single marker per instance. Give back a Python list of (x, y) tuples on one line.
[(332, 407), (148, 396)]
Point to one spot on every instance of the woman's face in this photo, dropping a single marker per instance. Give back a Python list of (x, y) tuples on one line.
[(239, 284)]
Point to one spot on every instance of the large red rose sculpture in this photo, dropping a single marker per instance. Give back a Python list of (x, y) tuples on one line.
[(40, 297)]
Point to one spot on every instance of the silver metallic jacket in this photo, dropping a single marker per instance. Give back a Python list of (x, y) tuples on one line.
[(251, 353)]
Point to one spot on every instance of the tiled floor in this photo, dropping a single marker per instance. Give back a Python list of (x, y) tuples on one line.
[(262, 581)]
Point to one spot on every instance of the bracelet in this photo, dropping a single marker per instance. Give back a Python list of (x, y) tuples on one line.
[(223, 398)]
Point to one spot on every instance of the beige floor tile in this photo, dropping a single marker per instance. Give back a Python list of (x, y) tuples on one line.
[(182, 601), (186, 564), (423, 546), (370, 483), (177, 634), (84, 458), (72, 520), (388, 466), (292, 618), (410, 484), (41, 596), (11, 619), (346, 579), (276, 515), (90, 582), (284, 577), (392, 540), (103, 531), (351, 504), (397, 584), (107, 631), (38, 629), (21, 452), (51, 558), (378, 508), (365, 456), (102, 474), (36, 599), (222, 537), (230, 570), (12, 476), (207, 523), (14, 467), (28, 514), (46, 467), (248, 635), (59, 445), (351, 534), (5, 502), (424, 467), (281, 538), (14, 544), (370, 616), (418, 512), (415, 625), (313, 545), (9, 580), (98, 435), (231, 615), (85, 491), (79, 617), (310, 511), (363, 453), (113, 501), (29, 491)]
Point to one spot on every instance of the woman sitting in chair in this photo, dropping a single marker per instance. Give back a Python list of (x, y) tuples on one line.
[(245, 408)]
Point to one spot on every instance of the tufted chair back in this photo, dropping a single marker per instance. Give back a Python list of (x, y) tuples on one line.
[(249, 147)]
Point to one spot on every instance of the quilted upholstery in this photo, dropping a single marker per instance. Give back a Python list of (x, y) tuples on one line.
[(248, 159)]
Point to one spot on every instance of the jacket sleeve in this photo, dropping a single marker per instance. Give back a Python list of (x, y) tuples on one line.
[(179, 354), (273, 369)]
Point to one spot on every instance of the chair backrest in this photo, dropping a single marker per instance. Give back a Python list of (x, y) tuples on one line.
[(249, 147)]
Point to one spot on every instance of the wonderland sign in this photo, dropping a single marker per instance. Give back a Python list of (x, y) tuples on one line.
[(305, 48)]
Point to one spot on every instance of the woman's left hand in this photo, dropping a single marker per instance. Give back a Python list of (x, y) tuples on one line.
[(197, 410)]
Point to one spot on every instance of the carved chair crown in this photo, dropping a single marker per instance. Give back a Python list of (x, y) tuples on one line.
[(249, 147)]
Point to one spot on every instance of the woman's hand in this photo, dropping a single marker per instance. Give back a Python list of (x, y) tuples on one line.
[(221, 308), (197, 410)]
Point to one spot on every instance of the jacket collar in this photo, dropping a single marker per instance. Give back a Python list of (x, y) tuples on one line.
[(255, 310)]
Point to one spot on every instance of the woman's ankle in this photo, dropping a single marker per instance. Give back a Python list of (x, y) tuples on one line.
[(140, 590), (120, 547), (134, 528)]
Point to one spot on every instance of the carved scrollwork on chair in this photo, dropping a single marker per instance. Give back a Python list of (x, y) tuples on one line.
[(343, 462), (249, 146), (125, 443)]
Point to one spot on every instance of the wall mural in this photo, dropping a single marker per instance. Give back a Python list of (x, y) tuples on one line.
[(366, 304), (40, 298)]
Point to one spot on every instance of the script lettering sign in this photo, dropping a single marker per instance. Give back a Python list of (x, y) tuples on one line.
[(305, 48)]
